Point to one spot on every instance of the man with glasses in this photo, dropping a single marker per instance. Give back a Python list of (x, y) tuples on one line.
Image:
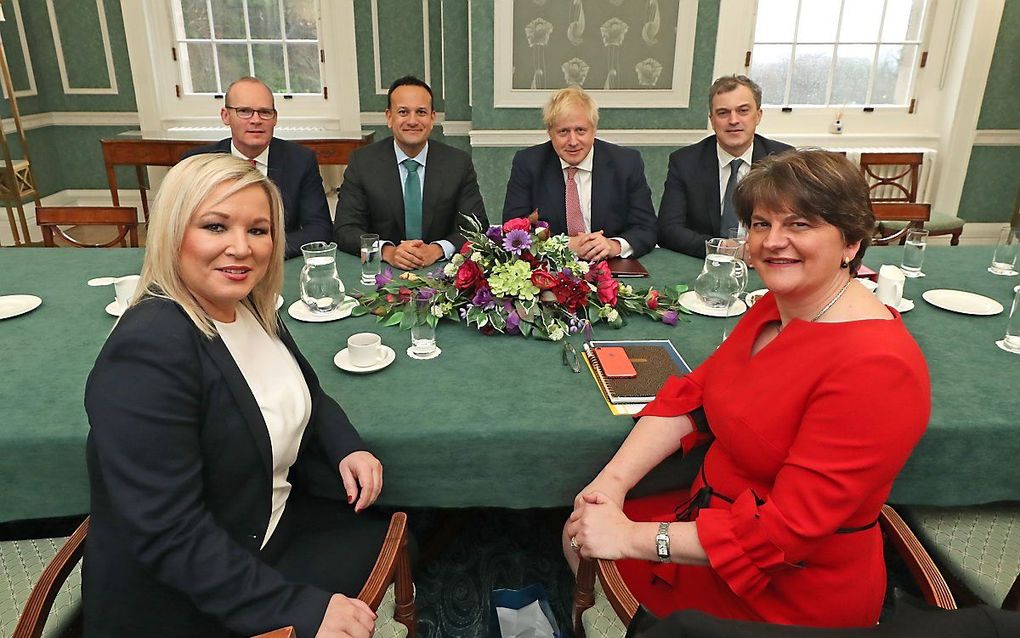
[(249, 111)]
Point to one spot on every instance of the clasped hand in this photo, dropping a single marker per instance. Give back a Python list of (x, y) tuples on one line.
[(599, 526), (594, 246), (361, 472), (412, 254)]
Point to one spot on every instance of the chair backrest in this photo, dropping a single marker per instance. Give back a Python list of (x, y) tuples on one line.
[(44, 592), (892, 177), (914, 214), (51, 218)]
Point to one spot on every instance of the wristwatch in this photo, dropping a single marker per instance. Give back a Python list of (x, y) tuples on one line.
[(662, 543)]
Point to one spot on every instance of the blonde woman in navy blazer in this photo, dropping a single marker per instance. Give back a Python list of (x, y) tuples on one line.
[(188, 478)]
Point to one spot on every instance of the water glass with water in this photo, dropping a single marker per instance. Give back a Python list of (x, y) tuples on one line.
[(1012, 340), (913, 252), (1005, 256), (423, 334), (321, 288), (370, 258)]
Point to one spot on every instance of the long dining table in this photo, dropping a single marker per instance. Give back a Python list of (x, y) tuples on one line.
[(494, 420)]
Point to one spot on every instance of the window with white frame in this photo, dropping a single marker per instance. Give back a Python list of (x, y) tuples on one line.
[(838, 52), (218, 41)]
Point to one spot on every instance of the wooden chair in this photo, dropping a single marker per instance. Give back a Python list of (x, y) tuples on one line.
[(389, 590), (910, 215), (608, 606), (51, 218)]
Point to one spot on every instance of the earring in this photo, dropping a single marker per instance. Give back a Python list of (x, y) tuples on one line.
[(846, 263)]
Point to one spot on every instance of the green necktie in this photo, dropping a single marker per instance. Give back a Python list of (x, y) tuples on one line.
[(412, 201)]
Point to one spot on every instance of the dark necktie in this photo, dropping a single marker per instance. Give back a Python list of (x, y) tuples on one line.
[(412, 201), (729, 211)]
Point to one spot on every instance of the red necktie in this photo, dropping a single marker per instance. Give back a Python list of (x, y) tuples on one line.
[(253, 163), (575, 219)]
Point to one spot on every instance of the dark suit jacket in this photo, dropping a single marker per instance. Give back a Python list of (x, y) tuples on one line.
[(690, 211), (295, 171), (180, 474), (621, 202), (372, 196)]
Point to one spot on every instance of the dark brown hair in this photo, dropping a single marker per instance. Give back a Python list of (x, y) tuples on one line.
[(814, 183), (728, 83)]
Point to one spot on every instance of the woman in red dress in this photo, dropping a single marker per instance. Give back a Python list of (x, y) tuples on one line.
[(815, 402)]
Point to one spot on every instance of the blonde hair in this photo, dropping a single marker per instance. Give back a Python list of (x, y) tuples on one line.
[(566, 99), (185, 189)]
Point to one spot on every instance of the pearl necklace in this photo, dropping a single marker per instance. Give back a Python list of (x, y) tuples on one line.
[(826, 307)]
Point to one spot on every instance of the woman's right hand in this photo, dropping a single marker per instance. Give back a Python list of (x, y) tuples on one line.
[(346, 618), (612, 488)]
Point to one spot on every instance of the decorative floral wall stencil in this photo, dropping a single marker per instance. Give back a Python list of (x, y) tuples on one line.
[(651, 28), (576, 27), (648, 71), (614, 31), (575, 70), (538, 32)]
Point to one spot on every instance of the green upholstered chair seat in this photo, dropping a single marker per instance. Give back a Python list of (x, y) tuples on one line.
[(938, 224), (979, 545), (385, 625), (600, 620), (23, 562)]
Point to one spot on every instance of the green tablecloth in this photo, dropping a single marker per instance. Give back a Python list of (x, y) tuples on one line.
[(497, 420)]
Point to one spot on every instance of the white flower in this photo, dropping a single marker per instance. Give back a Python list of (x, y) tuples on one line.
[(450, 270), (557, 333), (457, 259), (476, 257), (437, 310), (625, 289), (612, 315)]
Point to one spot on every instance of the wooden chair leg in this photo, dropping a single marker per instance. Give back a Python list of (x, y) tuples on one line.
[(584, 593)]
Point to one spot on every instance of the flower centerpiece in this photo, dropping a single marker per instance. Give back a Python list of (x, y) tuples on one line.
[(517, 279)]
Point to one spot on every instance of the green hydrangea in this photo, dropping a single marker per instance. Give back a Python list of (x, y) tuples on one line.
[(512, 279)]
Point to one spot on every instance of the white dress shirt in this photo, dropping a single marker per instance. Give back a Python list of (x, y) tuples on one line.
[(724, 173), (583, 179), (261, 160)]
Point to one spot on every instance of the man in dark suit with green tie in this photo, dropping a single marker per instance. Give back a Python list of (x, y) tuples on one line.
[(408, 189)]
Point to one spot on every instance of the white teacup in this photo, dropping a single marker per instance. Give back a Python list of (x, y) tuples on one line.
[(124, 290), (364, 349), (890, 286)]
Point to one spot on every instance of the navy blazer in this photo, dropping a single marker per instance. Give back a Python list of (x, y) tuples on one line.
[(371, 196), (621, 202), (690, 211), (180, 474), (295, 171)]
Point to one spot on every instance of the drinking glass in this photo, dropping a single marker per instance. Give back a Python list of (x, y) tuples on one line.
[(1012, 340), (423, 334), (370, 252), (321, 288), (1004, 258), (913, 252)]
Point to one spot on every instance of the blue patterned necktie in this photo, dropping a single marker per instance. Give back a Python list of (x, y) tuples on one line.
[(412, 201), (729, 211)]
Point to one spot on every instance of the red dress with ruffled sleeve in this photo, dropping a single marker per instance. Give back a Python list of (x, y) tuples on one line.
[(809, 434)]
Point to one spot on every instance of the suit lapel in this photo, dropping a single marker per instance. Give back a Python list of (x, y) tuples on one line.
[(758, 150), (276, 162), (601, 186), (710, 177), (433, 177), (557, 193), (246, 403), (393, 194)]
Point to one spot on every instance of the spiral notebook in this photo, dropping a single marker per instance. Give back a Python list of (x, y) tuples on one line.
[(655, 360)]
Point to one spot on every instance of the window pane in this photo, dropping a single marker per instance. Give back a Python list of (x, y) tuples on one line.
[(268, 59), (861, 21), (264, 21), (228, 19), (198, 62), (233, 62), (301, 23), (304, 68), (817, 23), (770, 64), (892, 78), (196, 19), (811, 74), (775, 21), (853, 68), (902, 20)]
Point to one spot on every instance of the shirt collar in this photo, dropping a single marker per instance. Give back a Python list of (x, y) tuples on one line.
[(262, 158), (725, 158), (584, 165), (401, 155)]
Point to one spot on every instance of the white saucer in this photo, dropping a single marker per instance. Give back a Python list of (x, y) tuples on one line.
[(423, 357), (1002, 345), (300, 311), (691, 301), (14, 305), (342, 360), (279, 301), (1009, 273), (752, 297), (906, 305), (113, 308), (1017, 289), (961, 301)]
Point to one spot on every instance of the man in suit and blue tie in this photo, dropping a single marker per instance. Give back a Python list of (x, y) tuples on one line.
[(250, 112), (593, 191), (411, 191), (697, 202)]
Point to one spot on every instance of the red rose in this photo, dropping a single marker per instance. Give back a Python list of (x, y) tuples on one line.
[(571, 294), (599, 272), (544, 280), (468, 276), (518, 223), (466, 249), (607, 291), (405, 294), (652, 300)]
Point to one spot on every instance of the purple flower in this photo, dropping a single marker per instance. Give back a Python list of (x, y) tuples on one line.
[(424, 294), (383, 278), (483, 298), (517, 241), (542, 224), (669, 317), (513, 323), (495, 233)]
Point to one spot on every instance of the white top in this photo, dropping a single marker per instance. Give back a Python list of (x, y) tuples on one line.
[(583, 179), (274, 377), (261, 160), (724, 171)]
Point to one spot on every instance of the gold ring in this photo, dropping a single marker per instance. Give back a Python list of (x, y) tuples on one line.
[(573, 544)]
